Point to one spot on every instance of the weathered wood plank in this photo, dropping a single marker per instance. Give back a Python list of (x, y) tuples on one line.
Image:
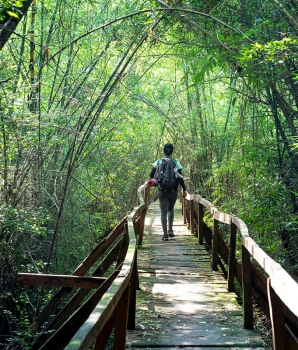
[(182, 302), (79, 271), (103, 311), (51, 280), (222, 217), (232, 259)]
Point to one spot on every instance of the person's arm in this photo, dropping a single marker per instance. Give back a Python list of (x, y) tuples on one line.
[(181, 182), (152, 172)]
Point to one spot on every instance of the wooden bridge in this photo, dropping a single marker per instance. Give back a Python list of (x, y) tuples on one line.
[(172, 295), (181, 301)]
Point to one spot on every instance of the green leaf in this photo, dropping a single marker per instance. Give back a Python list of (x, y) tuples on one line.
[(18, 4), (12, 14)]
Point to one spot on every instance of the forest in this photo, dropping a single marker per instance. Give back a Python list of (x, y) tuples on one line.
[(89, 93)]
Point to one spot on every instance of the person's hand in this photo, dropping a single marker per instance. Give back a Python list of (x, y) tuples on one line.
[(184, 194)]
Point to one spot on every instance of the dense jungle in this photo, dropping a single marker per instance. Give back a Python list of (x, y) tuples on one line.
[(89, 93)]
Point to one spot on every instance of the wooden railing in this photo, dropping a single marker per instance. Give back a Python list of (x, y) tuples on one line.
[(78, 323), (262, 279)]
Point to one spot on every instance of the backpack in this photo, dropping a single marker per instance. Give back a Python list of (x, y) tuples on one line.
[(168, 175)]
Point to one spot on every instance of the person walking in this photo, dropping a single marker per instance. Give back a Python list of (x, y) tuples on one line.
[(169, 175)]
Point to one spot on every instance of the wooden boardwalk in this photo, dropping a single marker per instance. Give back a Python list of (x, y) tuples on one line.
[(182, 303)]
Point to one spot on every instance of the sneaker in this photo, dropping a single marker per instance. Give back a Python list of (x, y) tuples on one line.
[(165, 237), (171, 233)]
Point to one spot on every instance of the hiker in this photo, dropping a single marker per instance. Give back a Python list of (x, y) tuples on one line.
[(168, 173)]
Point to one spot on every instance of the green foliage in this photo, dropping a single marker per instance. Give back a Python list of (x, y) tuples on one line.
[(270, 55), (23, 235), (105, 101), (10, 8)]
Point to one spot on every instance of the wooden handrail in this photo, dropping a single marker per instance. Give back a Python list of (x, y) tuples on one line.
[(113, 303), (117, 296), (280, 285), (77, 324)]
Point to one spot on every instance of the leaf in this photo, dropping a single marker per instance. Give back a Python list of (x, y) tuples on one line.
[(12, 14)]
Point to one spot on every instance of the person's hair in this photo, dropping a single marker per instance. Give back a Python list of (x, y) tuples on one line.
[(168, 149)]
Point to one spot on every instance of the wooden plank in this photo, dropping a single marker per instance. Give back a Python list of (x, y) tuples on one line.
[(277, 318), (191, 217), (62, 336), (207, 205), (241, 226), (124, 246), (292, 340), (214, 245), (288, 294), (142, 225), (188, 307), (247, 289), (75, 301), (222, 217), (131, 323), (104, 335), (51, 280), (121, 318), (282, 283), (80, 270), (285, 287), (200, 223), (103, 311), (184, 210), (232, 258)]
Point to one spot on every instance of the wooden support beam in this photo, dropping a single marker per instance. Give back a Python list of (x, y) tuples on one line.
[(121, 318), (247, 289), (141, 227), (184, 210), (191, 217), (277, 317), (62, 336), (50, 280), (147, 196), (104, 334), (214, 245), (232, 261), (77, 298), (200, 223), (133, 295)]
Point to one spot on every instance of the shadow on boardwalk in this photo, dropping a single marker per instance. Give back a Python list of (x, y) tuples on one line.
[(182, 303)]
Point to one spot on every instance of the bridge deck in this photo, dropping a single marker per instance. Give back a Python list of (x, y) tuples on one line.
[(182, 303)]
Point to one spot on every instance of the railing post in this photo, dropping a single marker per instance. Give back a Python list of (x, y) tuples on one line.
[(141, 226), (121, 318), (147, 196), (247, 289), (279, 338), (103, 337), (200, 223), (192, 217), (231, 260), (214, 245), (133, 295), (184, 210)]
